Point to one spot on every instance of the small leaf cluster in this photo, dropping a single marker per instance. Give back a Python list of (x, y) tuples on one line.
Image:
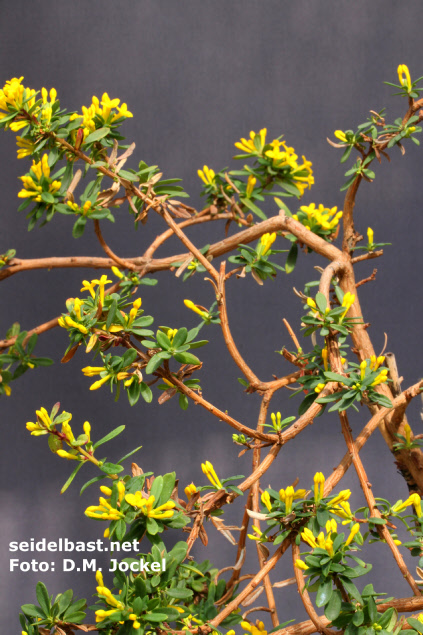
[(184, 592), (19, 358), (174, 343), (48, 612), (326, 320), (355, 388), (256, 261)]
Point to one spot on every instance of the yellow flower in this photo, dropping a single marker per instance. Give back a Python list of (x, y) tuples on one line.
[(118, 273), (308, 537), (12, 97), (340, 135), (343, 495), (381, 378), (370, 235), (319, 387), (248, 146), (171, 334), (257, 533), (311, 303), (207, 175), (32, 188), (250, 185), (354, 530), (67, 431), (190, 305), (67, 455), (343, 510), (25, 147), (325, 358), (266, 241), (347, 302), (319, 218), (43, 425), (257, 629), (190, 490), (209, 471), (301, 565), (288, 495), (134, 312), (265, 499), (414, 500), (404, 77), (319, 486), (147, 506), (103, 511)]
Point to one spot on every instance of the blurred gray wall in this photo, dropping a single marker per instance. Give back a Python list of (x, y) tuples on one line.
[(198, 76)]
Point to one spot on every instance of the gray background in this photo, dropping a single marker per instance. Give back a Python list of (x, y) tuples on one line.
[(198, 76)]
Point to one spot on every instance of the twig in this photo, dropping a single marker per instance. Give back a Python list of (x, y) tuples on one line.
[(368, 279), (291, 333), (125, 264), (305, 598)]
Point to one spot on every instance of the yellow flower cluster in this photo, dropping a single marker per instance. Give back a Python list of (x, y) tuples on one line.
[(190, 490), (374, 365), (266, 241), (146, 505), (107, 110), (288, 495), (89, 286), (249, 146), (33, 189), (318, 218), (110, 599), (43, 425), (104, 511), (85, 209), (325, 542), (282, 157), (12, 96), (257, 629), (171, 334), (209, 471), (207, 175)]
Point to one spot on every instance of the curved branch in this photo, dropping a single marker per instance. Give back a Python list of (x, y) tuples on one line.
[(305, 598)]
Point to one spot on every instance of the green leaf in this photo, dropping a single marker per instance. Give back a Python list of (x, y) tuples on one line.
[(155, 617), (111, 313), (153, 364), (114, 433), (321, 302), (180, 337), (324, 593), (251, 206), (71, 477), (111, 468), (292, 258), (163, 341), (91, 482), (97, 135), (187, 358), (43, 597), (47, 198), (179, 594), (146, 392), (333, 607)]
